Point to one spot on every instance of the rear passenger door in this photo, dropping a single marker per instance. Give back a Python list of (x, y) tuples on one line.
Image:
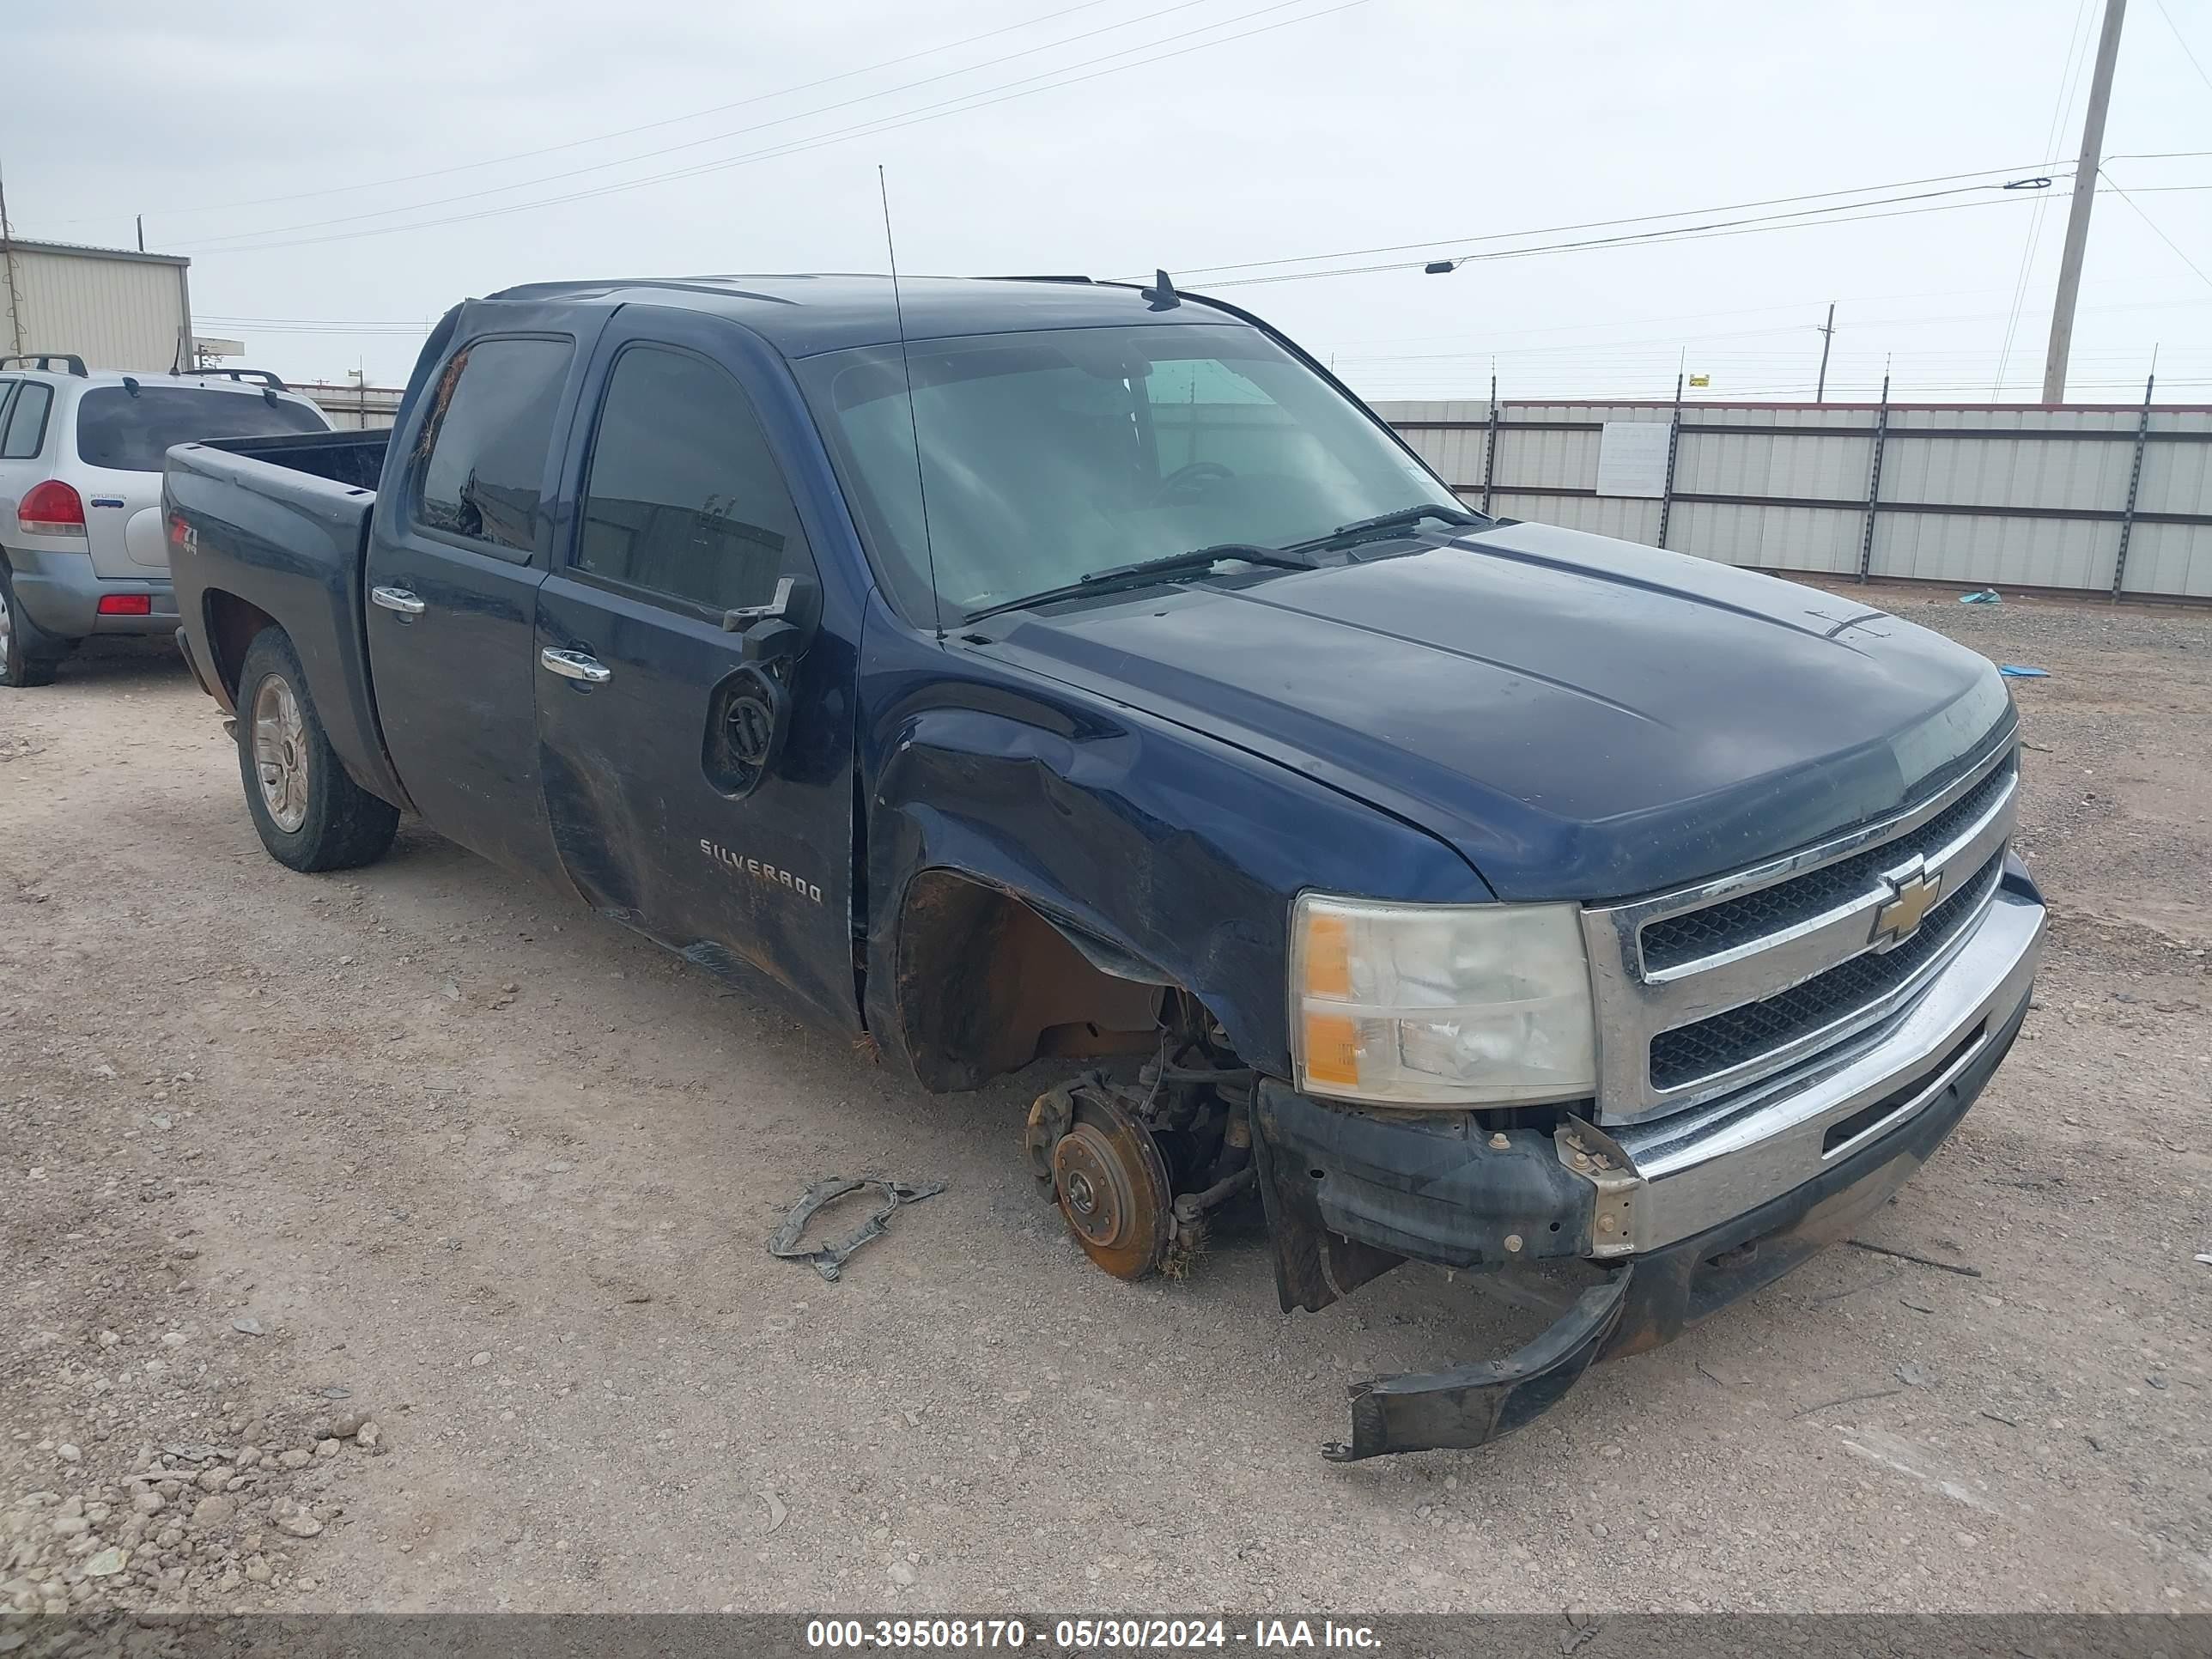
[(649, 714), (456, 554)]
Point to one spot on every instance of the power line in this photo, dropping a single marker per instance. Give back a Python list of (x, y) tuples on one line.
[(648, 126), (347, 322), (1656, 346), (959, 105), (1753, 227), (1662, 344), (758, 127), (1592, 224), (2069, 83), (408, 331), (2181, 40), (2156, 231), (1752, 311)]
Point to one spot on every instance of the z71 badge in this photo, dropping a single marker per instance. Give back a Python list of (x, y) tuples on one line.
[(766, 872)]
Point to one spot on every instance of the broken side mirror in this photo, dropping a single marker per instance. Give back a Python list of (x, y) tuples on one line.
[(747, 720), (750, 713), (780, 631)]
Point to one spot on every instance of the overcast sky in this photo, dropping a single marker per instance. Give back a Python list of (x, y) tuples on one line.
[(339, 175)]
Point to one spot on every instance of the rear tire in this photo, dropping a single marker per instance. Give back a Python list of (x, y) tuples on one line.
[(310, 814), (28, 652)]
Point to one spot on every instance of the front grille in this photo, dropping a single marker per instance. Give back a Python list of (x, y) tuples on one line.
[(1673, 940), (1688, 1053)]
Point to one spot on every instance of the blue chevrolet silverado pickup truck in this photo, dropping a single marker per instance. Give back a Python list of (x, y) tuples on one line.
[(1040, 669)]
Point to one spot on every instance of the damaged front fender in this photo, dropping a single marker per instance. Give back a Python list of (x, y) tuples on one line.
[(1158, 855)]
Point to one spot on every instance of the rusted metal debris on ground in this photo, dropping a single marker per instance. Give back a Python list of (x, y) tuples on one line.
[(829, 1259)]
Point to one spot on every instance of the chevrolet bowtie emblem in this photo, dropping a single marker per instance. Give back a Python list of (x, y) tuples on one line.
[(1914, 895)]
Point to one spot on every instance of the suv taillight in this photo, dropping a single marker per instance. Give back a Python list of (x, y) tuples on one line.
[(52, 508)]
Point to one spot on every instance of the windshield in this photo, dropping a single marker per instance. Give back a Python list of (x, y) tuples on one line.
[(1048, 456), (131, 432)]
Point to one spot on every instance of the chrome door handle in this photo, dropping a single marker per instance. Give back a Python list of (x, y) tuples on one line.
[(574, 665), (397, 598)]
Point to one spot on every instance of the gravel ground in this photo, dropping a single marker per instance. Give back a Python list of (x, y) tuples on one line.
[(394, 1241)]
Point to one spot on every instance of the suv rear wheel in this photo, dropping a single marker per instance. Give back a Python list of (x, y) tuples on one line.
[(311, 816), (27, 652)]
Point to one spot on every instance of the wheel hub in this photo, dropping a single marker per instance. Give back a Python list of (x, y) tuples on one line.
[(1094, 1192), (1112, 1185), (7, 629), (280, 753)]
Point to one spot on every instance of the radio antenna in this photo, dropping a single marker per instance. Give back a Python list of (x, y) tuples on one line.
[(913, 420)]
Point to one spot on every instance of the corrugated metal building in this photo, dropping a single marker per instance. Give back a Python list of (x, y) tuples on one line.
[(2101, 498), (115, 308), (353, 408)]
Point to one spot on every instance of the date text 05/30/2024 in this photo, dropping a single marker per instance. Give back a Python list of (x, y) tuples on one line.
[(1086, 1635)]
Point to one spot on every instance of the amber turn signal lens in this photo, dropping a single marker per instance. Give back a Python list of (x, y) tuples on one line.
[(1332, 1049), (1328, 957)]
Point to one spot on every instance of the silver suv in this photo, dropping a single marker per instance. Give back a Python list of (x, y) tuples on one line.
[(82, 550)]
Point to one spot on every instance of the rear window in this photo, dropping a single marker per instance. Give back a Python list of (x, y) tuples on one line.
[(117, 428), (481, 460)]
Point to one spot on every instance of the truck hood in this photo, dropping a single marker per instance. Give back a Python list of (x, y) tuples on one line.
[(1581, 718)]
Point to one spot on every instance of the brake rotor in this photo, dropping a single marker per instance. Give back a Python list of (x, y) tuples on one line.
[(1112, 1187)]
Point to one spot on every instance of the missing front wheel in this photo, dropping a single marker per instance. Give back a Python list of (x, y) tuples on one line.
[(1137, 1172)]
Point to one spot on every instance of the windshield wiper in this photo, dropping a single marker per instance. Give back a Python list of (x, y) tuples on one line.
[(1404, 519), (1197, 562)]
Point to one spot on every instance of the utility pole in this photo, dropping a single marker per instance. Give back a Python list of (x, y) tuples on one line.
[(15, 288), (141, 233), (2077, 213), (1827, 338)]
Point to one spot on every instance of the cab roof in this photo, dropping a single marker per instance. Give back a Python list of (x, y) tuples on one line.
[(801, 316)]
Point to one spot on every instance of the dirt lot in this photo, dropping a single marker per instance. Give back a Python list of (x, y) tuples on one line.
[(428, 1147)]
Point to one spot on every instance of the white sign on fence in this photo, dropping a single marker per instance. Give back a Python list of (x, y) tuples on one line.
[(1631, 459)]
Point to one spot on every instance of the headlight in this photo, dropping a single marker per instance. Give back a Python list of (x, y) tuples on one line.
[(1440, 1005)]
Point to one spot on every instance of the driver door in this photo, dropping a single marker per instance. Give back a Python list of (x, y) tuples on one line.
[(695, 791)]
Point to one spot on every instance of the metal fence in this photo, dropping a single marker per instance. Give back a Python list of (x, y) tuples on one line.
[(2106, 499), (354, 408)]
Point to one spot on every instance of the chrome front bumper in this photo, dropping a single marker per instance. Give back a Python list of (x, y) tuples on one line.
[(1697, 1168), (1447, 1188), (1688, 1214)]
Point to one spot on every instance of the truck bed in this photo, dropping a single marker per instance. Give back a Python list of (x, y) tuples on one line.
[(279, 526), (353, 458)]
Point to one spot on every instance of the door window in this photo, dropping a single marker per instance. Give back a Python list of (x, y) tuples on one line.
[(683, 497), (26, 433), (480, 463)]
